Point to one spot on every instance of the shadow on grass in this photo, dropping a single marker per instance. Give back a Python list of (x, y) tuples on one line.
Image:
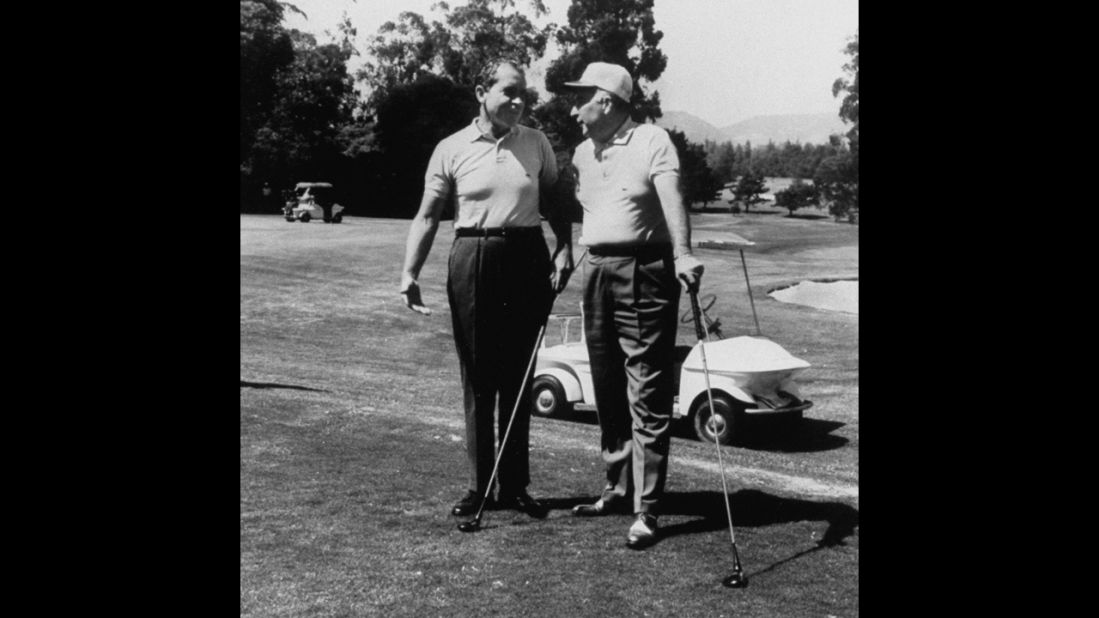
[(245, 384), (566, 504), (808, 435), (752, 508), (808, 216), (584, 417)]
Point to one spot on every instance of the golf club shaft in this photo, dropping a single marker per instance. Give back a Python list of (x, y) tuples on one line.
[(515, 409), (744, 264), (702, 337)]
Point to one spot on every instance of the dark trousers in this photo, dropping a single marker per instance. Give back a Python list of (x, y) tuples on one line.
[(499, 293), (630, 306)]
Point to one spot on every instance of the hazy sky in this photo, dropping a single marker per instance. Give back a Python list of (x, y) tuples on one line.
[(728, 60)]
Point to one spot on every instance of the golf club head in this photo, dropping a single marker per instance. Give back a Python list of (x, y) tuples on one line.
[(472, 525), (736, 580)]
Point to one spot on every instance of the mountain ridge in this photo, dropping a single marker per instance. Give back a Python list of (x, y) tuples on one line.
[(812, 128)]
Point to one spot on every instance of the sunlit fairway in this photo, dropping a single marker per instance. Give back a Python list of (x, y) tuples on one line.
[(352, 450)]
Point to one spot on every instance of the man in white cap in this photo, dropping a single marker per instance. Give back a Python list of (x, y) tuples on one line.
[(639, 244)]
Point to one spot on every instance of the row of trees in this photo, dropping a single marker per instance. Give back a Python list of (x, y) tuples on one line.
[(301, 118), (833, 167), (296, 102), (789, 160)]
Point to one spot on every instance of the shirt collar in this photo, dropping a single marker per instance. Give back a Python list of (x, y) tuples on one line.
[(474, 132), (621, 137), (624, 132)]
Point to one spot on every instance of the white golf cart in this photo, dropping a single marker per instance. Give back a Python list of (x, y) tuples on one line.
[(749, 375), (314, 201)]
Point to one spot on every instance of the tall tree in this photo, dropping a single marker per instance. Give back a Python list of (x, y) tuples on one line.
[(849, 109), (837, 177), (456, 48), (749, 188), (265, 50), (618, 31), (301, 138), (411, 120), (721, 159), (698, 184), (421, 78)]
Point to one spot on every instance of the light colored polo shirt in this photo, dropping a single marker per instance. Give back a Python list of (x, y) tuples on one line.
[(496, 181), (615, 186)]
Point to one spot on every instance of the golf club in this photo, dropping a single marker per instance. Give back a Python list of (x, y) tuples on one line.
[(474, 524), (737, 579)]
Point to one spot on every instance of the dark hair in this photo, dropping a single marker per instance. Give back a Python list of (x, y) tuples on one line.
[(487, 76)]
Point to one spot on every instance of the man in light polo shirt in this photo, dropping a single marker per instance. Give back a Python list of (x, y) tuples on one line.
[(638, 237), (501, 279)]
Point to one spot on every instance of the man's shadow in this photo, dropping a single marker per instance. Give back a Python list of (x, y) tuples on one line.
[(246, 384), (751, 508), (754, 508)]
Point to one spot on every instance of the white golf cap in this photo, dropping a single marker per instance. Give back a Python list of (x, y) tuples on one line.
[(613, 78)]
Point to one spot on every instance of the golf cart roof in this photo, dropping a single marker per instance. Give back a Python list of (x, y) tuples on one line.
[(727, 240), (734, 239), (313, 185)]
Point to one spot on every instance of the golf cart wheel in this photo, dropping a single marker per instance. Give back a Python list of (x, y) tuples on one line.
[(726, 423), (304, 218), (337, 218), (548, 397)]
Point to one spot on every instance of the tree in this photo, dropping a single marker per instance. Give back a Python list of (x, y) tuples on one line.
[(749, 189), (698, 184), (411, 120), (837, 181), (421, 80), (265, 49), (617, 31), (302, 136), (721, 160), (798, 195), (849, 109), (838, 176), (296, 99), (457, 48)]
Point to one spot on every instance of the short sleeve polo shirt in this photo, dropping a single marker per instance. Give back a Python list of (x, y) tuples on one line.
[(615, 186), (496, 181)]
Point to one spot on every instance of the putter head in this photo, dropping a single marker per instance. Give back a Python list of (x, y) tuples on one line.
[(472, 525), (736, 580)]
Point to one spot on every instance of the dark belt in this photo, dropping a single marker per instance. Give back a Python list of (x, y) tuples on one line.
[(644, 252), (528, 232)]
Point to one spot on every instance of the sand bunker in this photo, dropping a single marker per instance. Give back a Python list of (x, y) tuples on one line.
[(832, 295)]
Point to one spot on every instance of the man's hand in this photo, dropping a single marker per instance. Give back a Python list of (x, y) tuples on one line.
[(410, 290), (689, 271), (562, 270)]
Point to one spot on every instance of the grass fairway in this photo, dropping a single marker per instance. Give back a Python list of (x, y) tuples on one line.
[(351, 448)]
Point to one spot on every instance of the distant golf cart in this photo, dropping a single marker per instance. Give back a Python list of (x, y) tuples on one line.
[(314, 200), (749, 375)]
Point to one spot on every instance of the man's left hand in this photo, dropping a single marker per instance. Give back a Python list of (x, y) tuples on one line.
[(689, 271), (562, 270)]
